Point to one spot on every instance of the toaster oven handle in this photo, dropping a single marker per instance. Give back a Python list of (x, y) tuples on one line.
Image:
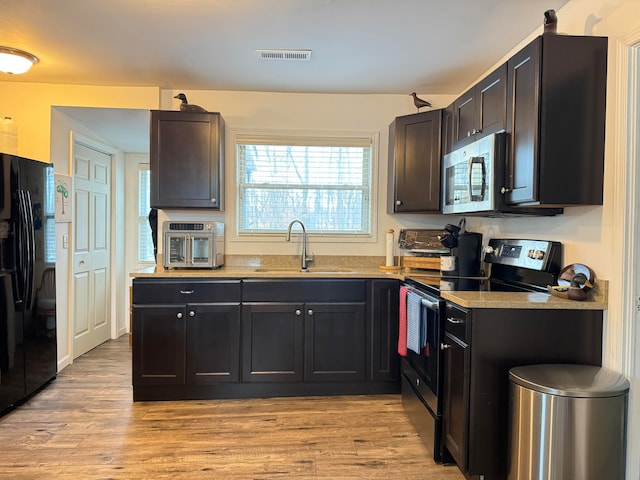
[(186, 292)]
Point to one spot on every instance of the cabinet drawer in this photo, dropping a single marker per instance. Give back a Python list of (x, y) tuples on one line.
[(188, 290), (457, 322), (281, 290)]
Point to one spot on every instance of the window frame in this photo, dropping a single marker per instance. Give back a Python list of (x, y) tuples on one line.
[(298, 137), (142, 167)]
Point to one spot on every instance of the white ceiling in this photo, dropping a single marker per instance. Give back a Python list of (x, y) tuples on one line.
[(358, 46)]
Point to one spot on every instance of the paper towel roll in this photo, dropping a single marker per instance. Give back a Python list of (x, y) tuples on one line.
[(389, 250)]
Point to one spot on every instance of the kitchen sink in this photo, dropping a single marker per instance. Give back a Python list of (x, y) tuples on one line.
[(277, 269)]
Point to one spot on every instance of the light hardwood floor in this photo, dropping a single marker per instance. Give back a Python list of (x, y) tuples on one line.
[(84, 425)]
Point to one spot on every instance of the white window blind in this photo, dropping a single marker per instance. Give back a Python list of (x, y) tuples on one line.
[(324, 182), (145, 242)]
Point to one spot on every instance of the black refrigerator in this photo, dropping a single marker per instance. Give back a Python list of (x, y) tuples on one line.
[(28, 356)]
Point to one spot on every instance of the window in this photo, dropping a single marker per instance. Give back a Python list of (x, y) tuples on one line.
[(145, 241), (324, 182)]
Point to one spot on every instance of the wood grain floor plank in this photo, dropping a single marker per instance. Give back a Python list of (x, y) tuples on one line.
[(86, 426)]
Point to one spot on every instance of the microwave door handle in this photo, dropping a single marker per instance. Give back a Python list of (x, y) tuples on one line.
[(472, 161)]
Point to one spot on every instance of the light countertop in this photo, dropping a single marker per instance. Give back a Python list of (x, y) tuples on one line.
[(342, 267)]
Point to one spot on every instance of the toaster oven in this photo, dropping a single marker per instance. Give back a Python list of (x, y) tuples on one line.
[(193, 244)]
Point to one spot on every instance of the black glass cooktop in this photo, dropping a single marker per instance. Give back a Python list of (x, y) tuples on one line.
[(435, 285)]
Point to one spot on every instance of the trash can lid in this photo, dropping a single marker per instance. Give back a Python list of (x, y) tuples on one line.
[(570, 380)]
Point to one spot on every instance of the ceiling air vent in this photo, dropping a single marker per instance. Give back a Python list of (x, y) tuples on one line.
[(284, 54)]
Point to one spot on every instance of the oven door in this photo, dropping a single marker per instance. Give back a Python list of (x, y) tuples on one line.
[(176, 250), (427, 363), (202, 251)]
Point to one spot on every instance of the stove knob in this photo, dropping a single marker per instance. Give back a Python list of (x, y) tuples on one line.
[(489, 250)]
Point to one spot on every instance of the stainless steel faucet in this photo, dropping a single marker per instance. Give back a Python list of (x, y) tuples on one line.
[(305, 258)]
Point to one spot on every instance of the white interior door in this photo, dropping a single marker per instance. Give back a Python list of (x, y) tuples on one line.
[(91, 252)]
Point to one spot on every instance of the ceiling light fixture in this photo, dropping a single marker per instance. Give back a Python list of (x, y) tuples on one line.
[(16, 61), (284, 54)]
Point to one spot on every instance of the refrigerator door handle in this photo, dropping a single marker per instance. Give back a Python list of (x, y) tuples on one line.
[(21, 247), (31, 260)]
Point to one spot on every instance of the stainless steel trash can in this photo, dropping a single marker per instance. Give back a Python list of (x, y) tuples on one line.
[(567, 422)]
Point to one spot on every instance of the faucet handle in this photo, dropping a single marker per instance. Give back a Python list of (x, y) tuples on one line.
[(311, 258)]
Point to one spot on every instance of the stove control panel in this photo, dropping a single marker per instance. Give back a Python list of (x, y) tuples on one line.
[(532, 254)]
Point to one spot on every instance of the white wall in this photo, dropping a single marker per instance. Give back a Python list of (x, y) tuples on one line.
[(308, 113), (63, 130)]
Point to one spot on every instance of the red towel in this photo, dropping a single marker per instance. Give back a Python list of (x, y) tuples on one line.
[(402, 334)]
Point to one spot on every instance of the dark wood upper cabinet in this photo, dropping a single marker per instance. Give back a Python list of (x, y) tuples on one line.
[(447, 130), (555, 122), (414, 163), (481, 110), (187, 158)]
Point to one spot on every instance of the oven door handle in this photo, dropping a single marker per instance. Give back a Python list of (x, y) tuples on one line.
[(431, 305)]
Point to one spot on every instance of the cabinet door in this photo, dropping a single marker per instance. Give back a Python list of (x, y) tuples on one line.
[(159, 333), (272, 342), (415, 167), (213, 343), (384, 312), (456, 399), (523, 85), (464, 118), (491, 105), (447, 130), (186, 159), (335, 342)]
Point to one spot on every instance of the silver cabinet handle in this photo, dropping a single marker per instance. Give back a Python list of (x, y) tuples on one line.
[(298, 312), (214, 200), (504, 190), (192, 313), (398, 202), (309, 312), (179, 315), (454, 320), (444, 346), (186, 292)]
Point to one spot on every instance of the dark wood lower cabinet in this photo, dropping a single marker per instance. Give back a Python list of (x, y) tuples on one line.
[(481, 346), (213, 343), (335, 342), (159, 333), (262, 338), (383, 307), (272, 342)]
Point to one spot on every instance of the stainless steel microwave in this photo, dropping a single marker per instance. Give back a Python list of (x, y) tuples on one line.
[(472, 176), (193, 244)]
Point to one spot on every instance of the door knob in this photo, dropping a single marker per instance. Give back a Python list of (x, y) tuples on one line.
[(444, 346), (179, 315), (309, 312), (298, 312), (192, 313)]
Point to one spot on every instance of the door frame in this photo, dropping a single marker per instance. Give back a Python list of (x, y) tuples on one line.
[(115, 277), (622, 335)]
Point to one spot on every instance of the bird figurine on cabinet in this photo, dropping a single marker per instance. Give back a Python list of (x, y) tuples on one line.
[(550, 21), (418, 102), (185, 106)]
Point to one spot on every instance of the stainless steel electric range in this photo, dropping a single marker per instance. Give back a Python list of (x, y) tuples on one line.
[(511, 265)]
